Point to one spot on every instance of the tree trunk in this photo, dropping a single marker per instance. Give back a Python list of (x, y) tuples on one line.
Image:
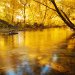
[(67, 18), (24, 13), (67, 21), (45, 13)]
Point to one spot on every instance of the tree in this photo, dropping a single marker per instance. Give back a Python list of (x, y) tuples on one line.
[(24, 2), (49, 12), (61, 14), (65, 19)]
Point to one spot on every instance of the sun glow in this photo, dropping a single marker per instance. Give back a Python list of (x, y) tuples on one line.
[(19, 17)]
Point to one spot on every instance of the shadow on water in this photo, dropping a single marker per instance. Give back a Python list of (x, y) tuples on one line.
[(66, 56), (65, 43)]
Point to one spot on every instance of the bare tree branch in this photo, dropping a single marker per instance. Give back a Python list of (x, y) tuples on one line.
[(45, 13), (44, 5), (66, 20)]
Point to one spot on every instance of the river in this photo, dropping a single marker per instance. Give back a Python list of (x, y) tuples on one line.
[(49, 51)]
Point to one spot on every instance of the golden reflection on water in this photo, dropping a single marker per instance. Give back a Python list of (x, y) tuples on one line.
[(71, 44), (33, 45)]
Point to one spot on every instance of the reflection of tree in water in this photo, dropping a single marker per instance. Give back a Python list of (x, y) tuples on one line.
[(65, 58), (2, 72), (26, 69), (37, 67), (71, 38)]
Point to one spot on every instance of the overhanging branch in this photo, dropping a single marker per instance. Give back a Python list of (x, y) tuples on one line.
[(44, 5)]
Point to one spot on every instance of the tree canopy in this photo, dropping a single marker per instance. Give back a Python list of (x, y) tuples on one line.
[(36, 11)]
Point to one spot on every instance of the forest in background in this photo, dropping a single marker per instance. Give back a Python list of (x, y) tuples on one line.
[(30, 12)]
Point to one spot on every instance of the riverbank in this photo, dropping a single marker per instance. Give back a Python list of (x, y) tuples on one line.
[(15, 30)]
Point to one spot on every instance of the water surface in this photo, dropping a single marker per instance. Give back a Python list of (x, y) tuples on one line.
[(48, 51)]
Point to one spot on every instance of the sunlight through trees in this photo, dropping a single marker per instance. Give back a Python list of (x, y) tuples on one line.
[(36, 11)]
